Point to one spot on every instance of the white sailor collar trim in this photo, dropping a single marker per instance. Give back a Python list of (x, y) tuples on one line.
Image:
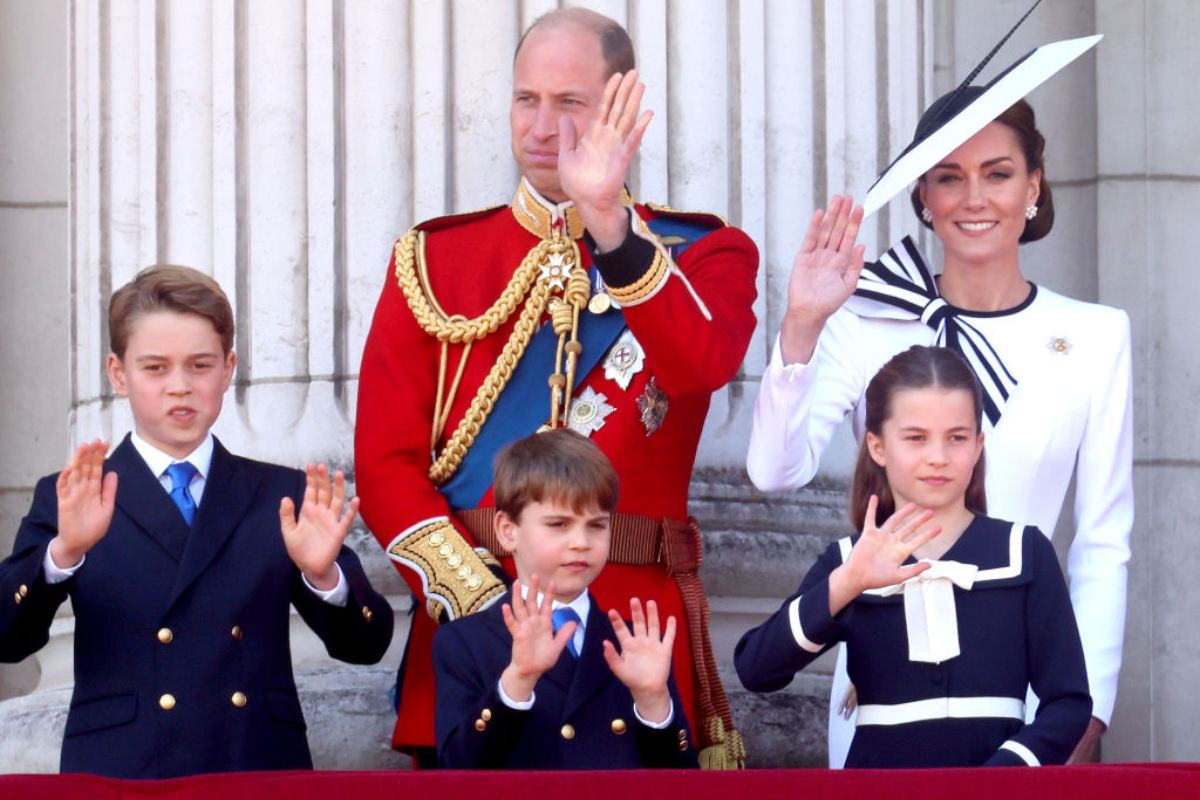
[(1011, 571)]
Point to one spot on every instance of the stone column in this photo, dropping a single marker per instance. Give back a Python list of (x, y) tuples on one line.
[(283, 146), (1148, 193), (33, 267)]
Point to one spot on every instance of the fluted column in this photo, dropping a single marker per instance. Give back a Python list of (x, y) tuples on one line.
[(282, 146)]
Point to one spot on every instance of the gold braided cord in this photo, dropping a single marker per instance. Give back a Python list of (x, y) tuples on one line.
[(457, 329), (658, 272), (532, 279), (485, 399)]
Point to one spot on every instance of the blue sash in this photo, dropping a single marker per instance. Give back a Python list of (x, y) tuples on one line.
[(524, 404)]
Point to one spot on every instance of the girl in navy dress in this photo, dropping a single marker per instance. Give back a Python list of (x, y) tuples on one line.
[(948, 615)]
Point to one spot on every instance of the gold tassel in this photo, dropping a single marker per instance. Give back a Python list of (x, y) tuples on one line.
[(726, 749)]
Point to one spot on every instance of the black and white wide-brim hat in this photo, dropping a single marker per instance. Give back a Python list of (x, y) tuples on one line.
[(956, 117)]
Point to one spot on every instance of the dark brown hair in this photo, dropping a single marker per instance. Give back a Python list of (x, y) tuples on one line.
[(615, 45), (1020, 120), (916, 368), (560, 466), (167, 287)]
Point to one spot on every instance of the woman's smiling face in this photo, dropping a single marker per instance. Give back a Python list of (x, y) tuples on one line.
[(978, 195)]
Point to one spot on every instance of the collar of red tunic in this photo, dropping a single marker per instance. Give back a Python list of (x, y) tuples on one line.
[(539, 216)]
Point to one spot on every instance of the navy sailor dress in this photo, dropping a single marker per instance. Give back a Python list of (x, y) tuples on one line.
[(1015, 628)]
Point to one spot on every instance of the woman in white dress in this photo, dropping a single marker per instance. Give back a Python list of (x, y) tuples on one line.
[(1056, 370)]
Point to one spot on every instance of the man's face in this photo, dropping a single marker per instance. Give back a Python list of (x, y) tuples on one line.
[(559, 74)]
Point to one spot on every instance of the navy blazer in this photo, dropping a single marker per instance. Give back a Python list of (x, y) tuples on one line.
[(182, 658), (582, 717)]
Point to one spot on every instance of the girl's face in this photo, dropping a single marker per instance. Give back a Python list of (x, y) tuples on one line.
[(929, 447), (978, 195)]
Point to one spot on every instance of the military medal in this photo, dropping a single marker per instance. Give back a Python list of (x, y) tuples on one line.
[(625, 360), (653, 405), (556, 269), (588, 412), (601, 300)]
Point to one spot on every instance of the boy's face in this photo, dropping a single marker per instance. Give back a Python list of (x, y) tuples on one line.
[(175, 375), (558, 544)]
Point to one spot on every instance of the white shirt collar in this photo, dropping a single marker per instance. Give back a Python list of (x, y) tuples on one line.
[(581, 605), (158, 461)]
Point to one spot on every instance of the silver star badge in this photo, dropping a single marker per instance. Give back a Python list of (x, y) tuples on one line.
[(588, 412), (625, 360)]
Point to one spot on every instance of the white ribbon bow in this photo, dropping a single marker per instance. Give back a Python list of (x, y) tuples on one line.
[(929, 612)]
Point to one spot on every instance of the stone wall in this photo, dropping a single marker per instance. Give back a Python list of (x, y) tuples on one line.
[(282, 146)]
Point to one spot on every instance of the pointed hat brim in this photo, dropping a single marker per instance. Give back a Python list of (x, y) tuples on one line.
[(1014, 83)]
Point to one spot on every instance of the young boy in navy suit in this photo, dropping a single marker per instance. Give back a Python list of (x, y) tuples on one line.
[(172, 554), (536, 682)]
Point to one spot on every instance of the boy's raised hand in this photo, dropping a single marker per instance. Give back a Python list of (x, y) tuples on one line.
[(536, 647), (314, 540), (644, 663), (86, 498)]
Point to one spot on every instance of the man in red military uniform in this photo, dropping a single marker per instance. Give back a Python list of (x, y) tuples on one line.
[(486, 318)]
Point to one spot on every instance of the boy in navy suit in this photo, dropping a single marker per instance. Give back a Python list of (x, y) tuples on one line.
[(171, 553), (536, 682)]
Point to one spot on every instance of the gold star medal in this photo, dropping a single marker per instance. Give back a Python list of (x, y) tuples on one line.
[(624, 360), (1059, 345), (588, 412), (653, 405)]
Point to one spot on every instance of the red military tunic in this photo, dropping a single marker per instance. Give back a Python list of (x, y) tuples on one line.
[(693, 320)]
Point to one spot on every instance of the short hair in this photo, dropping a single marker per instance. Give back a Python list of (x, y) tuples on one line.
[(559, 465), (1019, 118), (168, 287), (917, 367), (615, 45)]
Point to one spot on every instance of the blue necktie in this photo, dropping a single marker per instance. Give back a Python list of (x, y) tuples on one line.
[(181, 478), (561, 617)]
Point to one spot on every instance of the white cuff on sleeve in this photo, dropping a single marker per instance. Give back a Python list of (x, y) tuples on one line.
[(798, 631), (338, 595), (658, 726), (55, 573), (514, 704), (1023, 752)]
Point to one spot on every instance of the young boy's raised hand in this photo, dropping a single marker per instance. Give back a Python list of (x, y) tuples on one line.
[(644, 663), (314, 540), (86, 498), (536, 647)]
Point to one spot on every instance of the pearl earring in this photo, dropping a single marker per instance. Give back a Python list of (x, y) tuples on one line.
[(927, 215), (1030, 212)]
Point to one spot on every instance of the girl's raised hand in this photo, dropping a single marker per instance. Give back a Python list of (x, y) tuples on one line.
[(879, 554)]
